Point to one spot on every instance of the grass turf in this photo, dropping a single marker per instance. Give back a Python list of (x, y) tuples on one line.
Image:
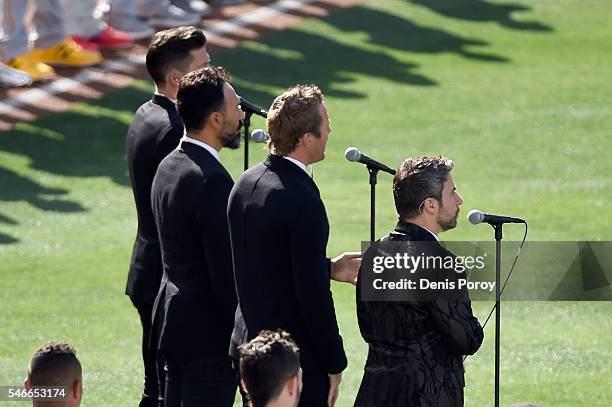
[(518, 94)]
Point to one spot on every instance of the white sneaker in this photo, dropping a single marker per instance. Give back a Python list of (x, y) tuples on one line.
[(227, 2), (198, 7), (12, 78), (173, 16), (136, 28)]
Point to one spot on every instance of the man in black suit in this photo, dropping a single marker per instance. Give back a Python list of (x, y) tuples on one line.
[(416, 348), (155, 131), (196, 302), (279, 233)]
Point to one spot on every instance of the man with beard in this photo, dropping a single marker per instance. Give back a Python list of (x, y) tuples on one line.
[(416, 347), (195, 306), (154, 132)]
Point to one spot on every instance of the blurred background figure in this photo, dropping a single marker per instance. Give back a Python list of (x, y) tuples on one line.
[(139, 17), (83, 21), (199, 7), (51, 46), (55, 365)]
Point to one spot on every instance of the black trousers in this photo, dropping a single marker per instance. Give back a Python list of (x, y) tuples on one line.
[(315, 388), (152, 369), (200, 383)]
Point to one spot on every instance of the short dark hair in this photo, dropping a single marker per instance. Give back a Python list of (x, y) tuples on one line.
[(200, 93), (294, 113), (54, 364), (266, 363), (171, 48), (417, 179)]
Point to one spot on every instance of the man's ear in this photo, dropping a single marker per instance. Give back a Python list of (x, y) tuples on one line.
[(77, 389), (308, 139), (173, 77), (430, 205), (305, 140), (243, 385), (26, 384), (216, 120), (292, 385)]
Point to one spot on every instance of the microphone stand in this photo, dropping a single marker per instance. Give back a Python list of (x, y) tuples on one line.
[(246, 123), (373, 179), (498, 239)]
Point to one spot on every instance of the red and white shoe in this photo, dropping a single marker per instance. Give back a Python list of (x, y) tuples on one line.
[(85, 43), (109, 38)]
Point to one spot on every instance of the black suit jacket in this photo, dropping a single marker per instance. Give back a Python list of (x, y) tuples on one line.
[(279, 233), (155, 131), (197, 299), (416, 348)]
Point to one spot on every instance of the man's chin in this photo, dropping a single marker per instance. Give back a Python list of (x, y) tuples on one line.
[(448, 225), (233, 143)]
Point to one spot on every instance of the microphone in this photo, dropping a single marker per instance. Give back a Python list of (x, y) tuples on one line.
[(259, 136), (250, 107), (475, 217), (353, 154)]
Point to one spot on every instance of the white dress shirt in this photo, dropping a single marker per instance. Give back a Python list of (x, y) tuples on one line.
[(211, 150), (432, 233), (297, 162)]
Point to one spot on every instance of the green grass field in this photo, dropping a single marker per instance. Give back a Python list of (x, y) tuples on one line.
[(519, 95)]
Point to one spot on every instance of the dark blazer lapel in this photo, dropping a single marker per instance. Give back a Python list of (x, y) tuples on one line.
[(414, 232), (279, 163), (164, 102), (203, 154)]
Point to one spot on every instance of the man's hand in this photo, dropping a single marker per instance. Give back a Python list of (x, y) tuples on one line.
[(345, 267), (334, 387)]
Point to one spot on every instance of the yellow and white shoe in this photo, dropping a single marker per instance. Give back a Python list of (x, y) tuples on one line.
[(37, 70), (68, 53)]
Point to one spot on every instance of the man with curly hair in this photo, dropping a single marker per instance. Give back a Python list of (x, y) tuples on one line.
[(55, 367), (270, 370)]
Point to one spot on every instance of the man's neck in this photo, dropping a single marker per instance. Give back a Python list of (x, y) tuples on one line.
[(300, 157), (50, 404), (206, 137), (279, 402), (166, 91), (431, 226)]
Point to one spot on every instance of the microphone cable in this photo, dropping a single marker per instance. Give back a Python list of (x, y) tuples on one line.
[(518, 252)]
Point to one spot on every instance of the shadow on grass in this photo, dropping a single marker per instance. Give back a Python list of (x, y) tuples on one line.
[(285, 58), (6, 239), (402, 34), (86, 142), (16, 187), (483, 11), (282, 59)]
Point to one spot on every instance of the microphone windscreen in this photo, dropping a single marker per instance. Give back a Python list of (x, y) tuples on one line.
[(259, 136), (352, 154), (475, 216)]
